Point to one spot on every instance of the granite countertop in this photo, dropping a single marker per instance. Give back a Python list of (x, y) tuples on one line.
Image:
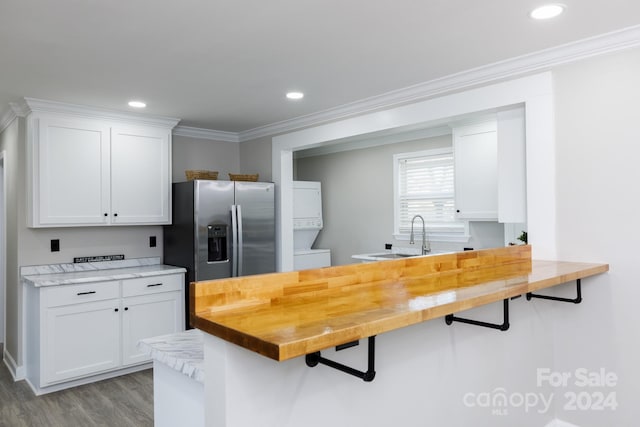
[(72, 274), (183, 351)]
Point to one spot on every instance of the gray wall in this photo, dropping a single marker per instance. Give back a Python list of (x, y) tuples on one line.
[(255, 157), (11, 142), (193, 153), (357, 200)]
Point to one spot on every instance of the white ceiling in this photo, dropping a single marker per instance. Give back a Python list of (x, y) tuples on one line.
[(226, 65)]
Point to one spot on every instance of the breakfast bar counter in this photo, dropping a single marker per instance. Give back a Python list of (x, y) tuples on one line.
[(297, 313), (258, 327)]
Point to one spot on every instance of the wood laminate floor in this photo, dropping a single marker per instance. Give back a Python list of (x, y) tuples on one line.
[(118, 402)]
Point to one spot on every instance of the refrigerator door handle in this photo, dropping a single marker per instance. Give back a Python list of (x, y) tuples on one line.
[(240, 240), (234, 241)]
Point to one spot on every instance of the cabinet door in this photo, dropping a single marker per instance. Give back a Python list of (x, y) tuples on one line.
[(80, 340), (512, 182), (148, 316), (476, 171), (140, 175), (71, 183)]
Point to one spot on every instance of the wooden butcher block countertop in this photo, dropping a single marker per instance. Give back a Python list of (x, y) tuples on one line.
[(285, 315)]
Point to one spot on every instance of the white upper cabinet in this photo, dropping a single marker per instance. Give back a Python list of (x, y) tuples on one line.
[(72, 180), (92, 169), (512, 183), (490, 169), (476, 171), (140, 176)]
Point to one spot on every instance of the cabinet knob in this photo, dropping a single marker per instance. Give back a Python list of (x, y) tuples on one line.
[(458, 210), (126, 309), (115, 309), (106, 214), (115, 214)]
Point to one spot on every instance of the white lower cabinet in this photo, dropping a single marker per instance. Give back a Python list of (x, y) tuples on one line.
[(148, 316), (80, 339), (78, 331)]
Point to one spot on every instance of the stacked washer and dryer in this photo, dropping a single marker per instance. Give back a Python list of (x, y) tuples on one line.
[(307, 223)]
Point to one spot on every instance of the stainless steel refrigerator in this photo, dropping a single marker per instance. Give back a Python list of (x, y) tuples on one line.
[(221, 229)]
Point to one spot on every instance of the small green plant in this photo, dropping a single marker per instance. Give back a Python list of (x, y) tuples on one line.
[(523, 237)]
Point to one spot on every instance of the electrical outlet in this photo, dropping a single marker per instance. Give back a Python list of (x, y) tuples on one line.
[(152, 241), (55, 245)]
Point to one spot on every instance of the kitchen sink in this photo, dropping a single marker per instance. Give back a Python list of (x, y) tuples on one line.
[(393, 256), (381, 256)]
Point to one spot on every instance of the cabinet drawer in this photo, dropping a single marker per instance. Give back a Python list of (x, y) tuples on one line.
[(77, 294), (152, 285)]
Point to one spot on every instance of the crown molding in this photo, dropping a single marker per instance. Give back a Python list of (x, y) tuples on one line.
[(20, 108), (359, 142), (33, 105), (7, 119), (539, 61), (16, 109), (213, 135)]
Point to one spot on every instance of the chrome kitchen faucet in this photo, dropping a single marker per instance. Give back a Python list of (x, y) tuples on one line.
[(426, 246)]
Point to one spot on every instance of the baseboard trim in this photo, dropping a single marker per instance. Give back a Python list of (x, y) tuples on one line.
[(17, 372), (92, 379)]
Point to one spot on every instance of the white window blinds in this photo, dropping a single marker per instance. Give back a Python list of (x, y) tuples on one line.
[(425, 186)]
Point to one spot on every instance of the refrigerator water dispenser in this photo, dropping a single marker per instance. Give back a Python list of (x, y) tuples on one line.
[(217, 242)]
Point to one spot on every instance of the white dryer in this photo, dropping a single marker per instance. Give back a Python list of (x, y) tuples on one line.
[(307, 223)]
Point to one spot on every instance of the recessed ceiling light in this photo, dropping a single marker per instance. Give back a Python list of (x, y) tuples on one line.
[(547, 11), (137, 104), (295, 95)]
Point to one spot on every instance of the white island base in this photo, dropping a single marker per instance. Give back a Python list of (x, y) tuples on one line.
[(236, 387), (177, 399), (178, 375)]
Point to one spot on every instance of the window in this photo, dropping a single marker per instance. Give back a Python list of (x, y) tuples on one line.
[(423, 185)]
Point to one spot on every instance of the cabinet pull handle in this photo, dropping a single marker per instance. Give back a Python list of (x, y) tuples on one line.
[(155, 284), (86, 293)]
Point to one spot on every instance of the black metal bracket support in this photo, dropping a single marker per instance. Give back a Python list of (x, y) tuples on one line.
[(450, 318), (314, 358), (576, 300)]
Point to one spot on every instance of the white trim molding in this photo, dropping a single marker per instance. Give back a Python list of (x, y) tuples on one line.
[(369, 141), (534, 92), (539, 61), (17, 372), (14, 112), (200, 133), (31, 105), (7, 119)]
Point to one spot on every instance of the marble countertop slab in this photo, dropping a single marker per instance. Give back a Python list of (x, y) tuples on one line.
[(73, 274), (183, 351)]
